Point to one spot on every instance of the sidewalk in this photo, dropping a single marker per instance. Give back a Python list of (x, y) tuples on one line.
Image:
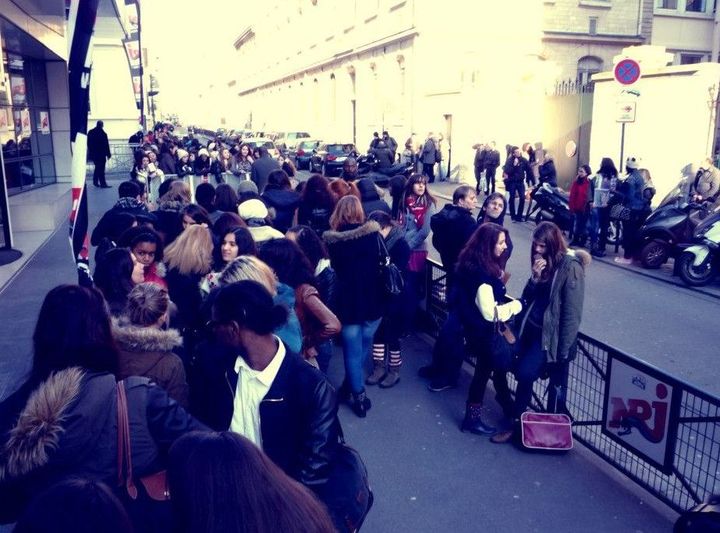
[(427, 476), (445, 190)]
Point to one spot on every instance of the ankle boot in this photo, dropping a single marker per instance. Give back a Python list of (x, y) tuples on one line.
[(360, 403), (392, 378), (473, 421), (378, 373)]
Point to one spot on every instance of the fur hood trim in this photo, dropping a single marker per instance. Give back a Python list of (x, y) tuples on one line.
[(132, 338), (332, 237), (40, 424), (582, 256)]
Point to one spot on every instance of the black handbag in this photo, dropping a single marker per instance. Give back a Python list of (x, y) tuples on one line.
[(347, 493), (390, 274), (503, 345)]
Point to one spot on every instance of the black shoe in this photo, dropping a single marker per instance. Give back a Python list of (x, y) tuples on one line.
[(439, 385), (360, 404), (427, 372), (106, 186), (476, 426)]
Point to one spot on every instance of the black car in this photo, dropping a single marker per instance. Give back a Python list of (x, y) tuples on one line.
[(303, 152), (329, 158)]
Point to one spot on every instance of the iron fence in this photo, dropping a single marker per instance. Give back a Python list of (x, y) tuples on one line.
[(658, 430), (121, 161), (573, 86)]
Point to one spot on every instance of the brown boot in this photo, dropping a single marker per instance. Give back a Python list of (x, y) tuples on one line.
[(378, 373), (391, 379)]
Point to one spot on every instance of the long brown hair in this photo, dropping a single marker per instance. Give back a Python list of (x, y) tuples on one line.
[(556, 247), (479, 252), (348, 210), (208, 471)]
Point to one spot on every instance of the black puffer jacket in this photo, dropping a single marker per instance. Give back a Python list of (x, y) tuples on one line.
[(284, 203), (355, 256), (68, 426), (452, 228), (298, 416)]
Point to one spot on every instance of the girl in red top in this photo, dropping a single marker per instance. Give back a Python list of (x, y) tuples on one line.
[(580, 204)]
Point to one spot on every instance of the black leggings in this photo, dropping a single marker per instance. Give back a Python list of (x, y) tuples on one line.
[(483, 371)]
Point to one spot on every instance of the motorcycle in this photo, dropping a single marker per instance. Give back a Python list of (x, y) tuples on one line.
[(368, 167), (668, 230), (551, 203), (700, 262)]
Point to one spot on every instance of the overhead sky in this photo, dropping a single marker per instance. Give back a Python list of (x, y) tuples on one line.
[(187, 43)]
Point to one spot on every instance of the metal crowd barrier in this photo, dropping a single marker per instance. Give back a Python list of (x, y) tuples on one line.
[(658, 430)]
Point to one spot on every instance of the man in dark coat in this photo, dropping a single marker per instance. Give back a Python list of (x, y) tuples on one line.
[(515, 172), (491, 162), (428, 157), (452, 228), (130, 201), (391, 144), (98, 152), (262, 167), (383, 155)]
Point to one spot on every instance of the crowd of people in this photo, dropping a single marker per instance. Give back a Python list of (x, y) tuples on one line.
[(213, 319)]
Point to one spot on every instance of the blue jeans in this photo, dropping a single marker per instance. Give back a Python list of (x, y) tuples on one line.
[(357, 342), (325, 352)]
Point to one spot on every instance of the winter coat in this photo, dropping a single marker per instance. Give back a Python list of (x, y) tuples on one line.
[(452, 228), (632, 188), (168, 163), (427, 156), (580, 195), (706, 183), (317, 321), (184, 291), (298, 416), (98, 146), (479, 163), (260, 171), (326, 283), (285, 203), (169, 220), (201, 167), (396, 307), (291, 331), (462, 300), (184, 169), (370, 198), (491, 159), (384, 157), (547, 173), (416, 235), (318, 218), (67, 427), (355, 256), (124, 205), (148, 352), (561, 320), (519, 172)]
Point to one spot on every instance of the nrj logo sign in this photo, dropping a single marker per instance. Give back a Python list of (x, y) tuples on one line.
[(648, 418), (639, 407)]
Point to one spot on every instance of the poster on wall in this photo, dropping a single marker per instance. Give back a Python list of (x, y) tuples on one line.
[(640, 410), (137, 91), (17, 90), (132, 49), (4, 121), (131, 17), (44, 126), (25, 120)]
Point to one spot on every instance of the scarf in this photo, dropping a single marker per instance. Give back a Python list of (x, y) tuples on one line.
[(417, 206)]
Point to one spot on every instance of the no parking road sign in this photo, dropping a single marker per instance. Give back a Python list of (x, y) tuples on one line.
[(627, 71)]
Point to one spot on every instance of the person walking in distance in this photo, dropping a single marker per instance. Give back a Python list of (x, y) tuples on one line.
[(479, 165), (428, 157), (491, 160), (98, 152), (515, 172)]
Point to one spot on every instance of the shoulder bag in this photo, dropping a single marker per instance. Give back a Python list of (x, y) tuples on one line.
[(546, 431), (503, 345), (147, 502), (392, 278)]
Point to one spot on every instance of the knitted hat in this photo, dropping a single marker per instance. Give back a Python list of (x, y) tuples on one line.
[(632, 162), (252, 209), (247, 186), (182, 153), (203, 151)]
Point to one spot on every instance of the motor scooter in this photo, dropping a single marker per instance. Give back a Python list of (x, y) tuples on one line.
[(368, 167), (551, 203), (668, 230), (699, 263)]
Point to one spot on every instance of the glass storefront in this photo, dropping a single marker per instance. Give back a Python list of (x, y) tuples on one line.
[(25, 129)]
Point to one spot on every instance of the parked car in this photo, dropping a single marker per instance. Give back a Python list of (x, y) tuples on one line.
[(329, 158), (256, 142), (291, 138), (303, 152)]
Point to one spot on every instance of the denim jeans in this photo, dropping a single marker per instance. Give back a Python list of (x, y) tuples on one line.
[(325, 352), (357, 342), (514, 187)]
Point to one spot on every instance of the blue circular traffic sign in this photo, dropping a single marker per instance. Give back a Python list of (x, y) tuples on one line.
[(627, 71)]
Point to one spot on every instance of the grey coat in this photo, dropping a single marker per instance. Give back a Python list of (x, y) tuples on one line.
[(428, 152), (562, 317)]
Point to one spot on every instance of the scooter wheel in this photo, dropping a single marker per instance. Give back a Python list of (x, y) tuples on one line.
[(695, 276), (654, 254)]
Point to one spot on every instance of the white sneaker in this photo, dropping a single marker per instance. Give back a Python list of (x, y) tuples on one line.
[(623, 261)]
